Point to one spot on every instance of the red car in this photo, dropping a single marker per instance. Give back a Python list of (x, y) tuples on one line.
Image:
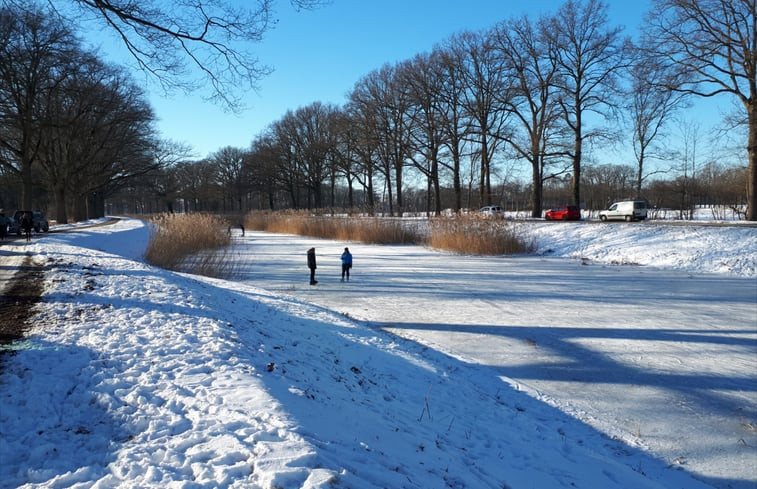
[(564, 213)]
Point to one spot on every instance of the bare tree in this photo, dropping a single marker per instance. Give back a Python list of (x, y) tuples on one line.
[(604, 184), (530, 60), (454, 122), (34, 51), (483, 77), (650, 107), (363, 123), (346, 153), (280, 149), (117, 141), (711, 44), (72, 135), (261, 162), (590, 56), (231, 170), (385, 102), (313, 143), (424, 78), (687, 168), (175, 40)]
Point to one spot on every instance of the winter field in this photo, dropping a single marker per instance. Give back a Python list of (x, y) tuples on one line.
[(617, 356)]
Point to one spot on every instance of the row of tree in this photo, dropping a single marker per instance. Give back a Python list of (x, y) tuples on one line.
[(73, 129), (228, 183), (454, 126), (471, 114)]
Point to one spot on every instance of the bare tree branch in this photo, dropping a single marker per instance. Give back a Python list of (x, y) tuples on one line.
[(712, 45), (189, 45)]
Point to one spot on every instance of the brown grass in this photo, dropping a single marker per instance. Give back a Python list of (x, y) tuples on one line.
[(362, 229), (467, 235), (177, 242), (219, 263), (476, 237)]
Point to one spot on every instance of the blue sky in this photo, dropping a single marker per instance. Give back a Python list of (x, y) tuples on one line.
[(319, 55)]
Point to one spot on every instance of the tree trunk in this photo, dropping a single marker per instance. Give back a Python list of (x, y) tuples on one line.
[(456, 180), (536, 193), (369, 189), (578, 150), (60, 203), (390, 197), (398, 182), (751, 212), (350, 193), (640, 174), (437, 188), (485, 187), (80, 208), (100, 204), (27, 184), (487, 165)]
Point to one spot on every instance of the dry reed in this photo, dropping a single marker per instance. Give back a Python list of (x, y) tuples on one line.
[(468, 235), (363, 229), (174, 238), (476, 237)]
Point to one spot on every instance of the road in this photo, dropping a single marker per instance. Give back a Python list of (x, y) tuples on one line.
[(12, 254), (12, 250)]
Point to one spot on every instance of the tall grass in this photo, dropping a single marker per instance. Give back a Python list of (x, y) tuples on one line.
[(477, 237), (461, 234), (363, 229), (218, 263), (183, 242)]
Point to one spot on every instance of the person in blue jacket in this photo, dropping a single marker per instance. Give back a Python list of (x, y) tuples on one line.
[(346, 264)]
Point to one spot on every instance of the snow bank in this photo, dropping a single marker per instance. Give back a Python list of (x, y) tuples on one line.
[(139, 377)]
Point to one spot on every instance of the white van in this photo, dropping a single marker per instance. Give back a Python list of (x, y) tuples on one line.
[(628, 210), (492, 211)]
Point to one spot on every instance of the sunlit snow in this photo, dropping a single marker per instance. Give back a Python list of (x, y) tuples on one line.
[(619, 355)]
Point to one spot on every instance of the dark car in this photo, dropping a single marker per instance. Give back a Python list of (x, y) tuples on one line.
[(564, 213), (39, 222)]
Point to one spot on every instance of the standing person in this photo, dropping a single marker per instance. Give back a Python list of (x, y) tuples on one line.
[(346, 264), (26, 225), (312, 266), (3, 226)]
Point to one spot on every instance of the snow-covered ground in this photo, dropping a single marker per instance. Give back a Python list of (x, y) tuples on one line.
[(427, 369)]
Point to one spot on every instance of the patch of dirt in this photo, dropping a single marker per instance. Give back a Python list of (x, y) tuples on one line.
[(23, 291)]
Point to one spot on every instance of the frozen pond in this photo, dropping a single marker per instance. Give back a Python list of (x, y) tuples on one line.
[(664, 360)]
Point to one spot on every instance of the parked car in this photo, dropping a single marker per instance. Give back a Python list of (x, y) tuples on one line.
[(492, 211), (627, 210), (39, 222), (14, 223), (563, 213)]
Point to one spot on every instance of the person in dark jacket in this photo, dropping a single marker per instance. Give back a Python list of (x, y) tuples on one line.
[(26, 224), (312, 266), (3, 226), (346, 264)]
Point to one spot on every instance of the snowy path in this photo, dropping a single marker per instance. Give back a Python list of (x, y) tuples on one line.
[(13, 258), (660, 359)]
